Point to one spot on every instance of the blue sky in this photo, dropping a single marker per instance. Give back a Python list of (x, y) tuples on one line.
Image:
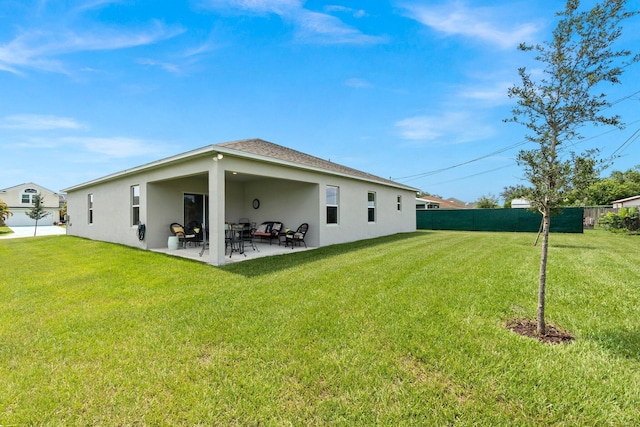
[(410, 90)]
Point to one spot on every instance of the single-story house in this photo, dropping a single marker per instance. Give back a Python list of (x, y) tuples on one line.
[(432, 202), (627, 203), (424, 204), (520, 203), (222, 183), (19, 200)]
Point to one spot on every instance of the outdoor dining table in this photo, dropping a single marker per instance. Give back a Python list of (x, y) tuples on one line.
[(233, 236)]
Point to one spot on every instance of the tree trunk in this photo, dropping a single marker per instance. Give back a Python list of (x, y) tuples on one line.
[(542, 280), (35, 230)]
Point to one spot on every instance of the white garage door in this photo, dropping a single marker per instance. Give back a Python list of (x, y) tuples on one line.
[(20, 219)]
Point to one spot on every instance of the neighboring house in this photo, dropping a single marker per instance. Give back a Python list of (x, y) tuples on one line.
[(424, 204), (627, 203), (19, 199), (431, 202), (520, 203), (251, 179)]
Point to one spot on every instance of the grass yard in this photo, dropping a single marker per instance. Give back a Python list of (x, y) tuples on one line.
[(403, 330)]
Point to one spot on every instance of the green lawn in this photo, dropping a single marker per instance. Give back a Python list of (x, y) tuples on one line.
[(403, 330)]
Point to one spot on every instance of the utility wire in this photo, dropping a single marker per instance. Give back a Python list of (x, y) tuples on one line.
[(475, 174), (433, 172), (634, 137), (510, 147)]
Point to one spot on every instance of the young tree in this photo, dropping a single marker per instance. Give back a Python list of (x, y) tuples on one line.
[(37, 212), (579, 57)]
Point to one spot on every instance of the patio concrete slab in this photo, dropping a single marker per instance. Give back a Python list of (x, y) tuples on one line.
[(262, 250)]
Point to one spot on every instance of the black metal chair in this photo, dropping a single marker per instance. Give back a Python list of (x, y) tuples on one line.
[(195, 228), (233, 239), (179, 231), (247, 233), (297, 236)]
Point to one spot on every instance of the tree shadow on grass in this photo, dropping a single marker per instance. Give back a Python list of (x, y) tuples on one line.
[(266, 265), (623, 343), (581, 247)]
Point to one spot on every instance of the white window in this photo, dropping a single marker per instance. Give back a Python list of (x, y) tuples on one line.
[(135, 204), (371, 207), (399, 203), (90, 208), (333, 200), (28, 196)]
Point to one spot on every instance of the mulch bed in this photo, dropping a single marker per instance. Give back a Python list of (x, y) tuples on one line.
[(528, 328)]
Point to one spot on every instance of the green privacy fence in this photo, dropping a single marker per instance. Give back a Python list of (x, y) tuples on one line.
[(568, 220)]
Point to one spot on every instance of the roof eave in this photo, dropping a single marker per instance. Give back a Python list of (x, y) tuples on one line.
[(215, 149)]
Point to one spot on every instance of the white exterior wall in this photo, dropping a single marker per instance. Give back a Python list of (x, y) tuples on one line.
[(301, 197), (520, 204), (287, 194), (13, 198), (161, 203)]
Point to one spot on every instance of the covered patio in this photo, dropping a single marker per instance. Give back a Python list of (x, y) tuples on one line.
[(263, 249), (238, 197)]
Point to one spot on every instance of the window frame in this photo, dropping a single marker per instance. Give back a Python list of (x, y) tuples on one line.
[(399, 203), (135, 204), (29, 193), (333, 207), (371, 207), (90, 203)]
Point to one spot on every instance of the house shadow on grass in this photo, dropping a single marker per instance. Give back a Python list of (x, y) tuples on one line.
[(623, 343), (266, 265)]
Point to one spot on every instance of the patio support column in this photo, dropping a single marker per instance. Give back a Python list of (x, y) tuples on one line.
[(216, 212)]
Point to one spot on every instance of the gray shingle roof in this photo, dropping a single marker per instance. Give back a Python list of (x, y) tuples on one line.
[(268, 149)]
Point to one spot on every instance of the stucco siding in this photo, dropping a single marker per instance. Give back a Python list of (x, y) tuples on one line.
[(287, 193)]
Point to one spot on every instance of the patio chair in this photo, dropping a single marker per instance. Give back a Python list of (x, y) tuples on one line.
[(195, 228), (247, 233), (233, 239), (179, 231), (298, 235)]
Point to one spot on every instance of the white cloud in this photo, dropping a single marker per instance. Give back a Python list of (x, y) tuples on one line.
[(357, 83), (39, 122), (172, 68), (493, 94), (357, 13), (94, 4), (279, 7), (476, 23), (39, 49), (445, 128), (115, 147), (311, 26), (318, 27)]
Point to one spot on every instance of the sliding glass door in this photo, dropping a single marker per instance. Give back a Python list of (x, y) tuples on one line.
[(196, 208)]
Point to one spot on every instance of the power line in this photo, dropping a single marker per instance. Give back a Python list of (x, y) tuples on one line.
[(510, 147), (634, 137), (475, 174), (433, 172)]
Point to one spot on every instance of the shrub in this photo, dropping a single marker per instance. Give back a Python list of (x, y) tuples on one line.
[(626, 220)]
